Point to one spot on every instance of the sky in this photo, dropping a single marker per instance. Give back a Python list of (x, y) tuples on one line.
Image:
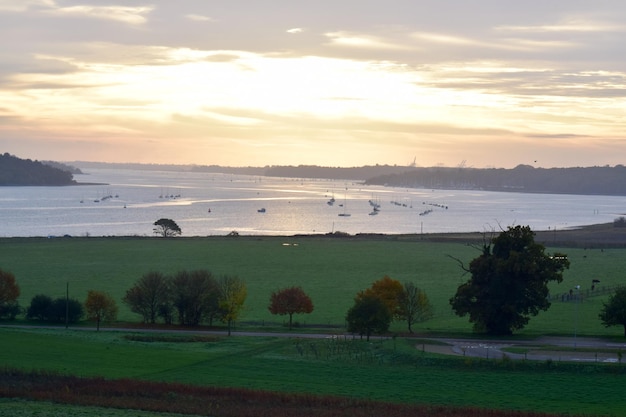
[(485, 83)]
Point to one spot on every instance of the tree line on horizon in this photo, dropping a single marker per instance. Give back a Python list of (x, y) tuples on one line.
[(594, 180), (523, 179)]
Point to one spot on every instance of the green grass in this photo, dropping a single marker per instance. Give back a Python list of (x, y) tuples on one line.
[(390, 370), (330, 270), (12, 407)]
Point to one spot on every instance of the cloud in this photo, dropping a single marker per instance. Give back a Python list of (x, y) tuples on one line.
[(295, 30), (24, 5), (129, 15), (354, 40), (571, 25), (199, 18)]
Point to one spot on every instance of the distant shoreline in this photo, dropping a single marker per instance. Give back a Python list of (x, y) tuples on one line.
[(594, 236)]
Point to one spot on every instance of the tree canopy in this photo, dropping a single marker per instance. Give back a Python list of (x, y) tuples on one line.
[(233, 293), (290, 301), (613, 312), (166, 228), (368, 315), (388, 290), (148, 295), (100, 307), (9, 292), (16, 171), (44, 308), (509, 282), (413, 305)]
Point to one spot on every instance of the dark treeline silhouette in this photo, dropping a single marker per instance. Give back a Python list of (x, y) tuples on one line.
[(16, 171), (604, 180), (338, 173), (523, 178)]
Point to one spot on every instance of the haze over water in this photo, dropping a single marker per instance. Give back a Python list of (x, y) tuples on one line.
[(205, 204)]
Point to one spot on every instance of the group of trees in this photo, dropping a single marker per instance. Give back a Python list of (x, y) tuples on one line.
[(98, 306), (60, 310), (386, 300), (508, 285), (189, 296), (16, 171)]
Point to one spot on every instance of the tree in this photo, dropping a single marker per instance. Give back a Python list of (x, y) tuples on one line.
[(388, 290), (166, 228), (148, 294), (233, 293), (40, 308), (509, 282), (613, 312), (62, 308), (44, 308), (9, 292), (100, 307), (368, 315), (413, 305), (290, 301), (195, 296)]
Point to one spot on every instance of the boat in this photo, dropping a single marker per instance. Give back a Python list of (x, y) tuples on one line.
[(344, 214), (261, 210)]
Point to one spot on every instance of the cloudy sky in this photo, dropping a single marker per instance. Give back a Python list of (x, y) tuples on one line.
[(485, 83)]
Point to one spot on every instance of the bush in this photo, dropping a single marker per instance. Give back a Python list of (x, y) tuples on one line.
[(10, 310), (44, 308)]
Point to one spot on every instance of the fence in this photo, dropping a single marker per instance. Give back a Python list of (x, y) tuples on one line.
[(580, 295)]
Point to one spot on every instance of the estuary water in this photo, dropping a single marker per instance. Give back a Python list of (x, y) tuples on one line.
[(206, 204)]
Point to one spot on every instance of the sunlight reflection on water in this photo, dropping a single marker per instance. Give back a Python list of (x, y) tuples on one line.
[(206, 204)]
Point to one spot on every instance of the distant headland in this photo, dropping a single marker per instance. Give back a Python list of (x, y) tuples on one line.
[(604, 180)]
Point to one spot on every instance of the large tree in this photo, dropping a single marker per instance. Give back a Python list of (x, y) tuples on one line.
[(166, 228), (148, 294), (195, 296), (292, 300), (9, 292), (388, 290), (100, 307), (368, 315), (413, 305), (613, 312), (233, 293), (509, 282)]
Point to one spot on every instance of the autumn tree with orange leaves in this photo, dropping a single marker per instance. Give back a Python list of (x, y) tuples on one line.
[(9, 292), (290, 301)]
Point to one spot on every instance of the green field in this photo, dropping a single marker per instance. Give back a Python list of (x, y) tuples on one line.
[(330, 270), (391, 370)]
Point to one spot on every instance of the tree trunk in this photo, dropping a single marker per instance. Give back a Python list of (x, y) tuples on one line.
[(290, 316)]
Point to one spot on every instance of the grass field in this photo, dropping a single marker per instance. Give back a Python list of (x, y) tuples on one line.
[(389, 370), (330, 270)]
